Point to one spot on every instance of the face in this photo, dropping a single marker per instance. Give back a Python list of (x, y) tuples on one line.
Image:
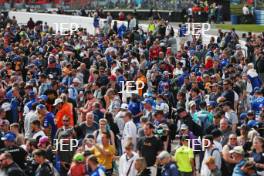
[(66, 121), (232, 140), (3, 162), (105, 140), (225, 85), (257, 144), (147, 130), (102, 125), (89, 119), (223, 125), (37, 158)]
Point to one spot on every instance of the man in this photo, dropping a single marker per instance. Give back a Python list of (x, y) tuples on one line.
[(228, 93), (210, 150), (184, 158), (216, 122), (29, 118), (238, 155), (97, 169), (65, 127), (168, 167), (203, 117), (63, 109), (118, 119), (28, 105), (231, 115), (226, 131), (14, 128), (148, 109), (18, 153), (149, 146), (73, 89), (9, 166), (88, 107), (87, 127), (127, 161), (45, 168), (37, 131), (48, 121), (130, 130), (44, 85)]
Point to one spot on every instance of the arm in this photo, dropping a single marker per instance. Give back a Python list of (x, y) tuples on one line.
[(102, 151), (227, 156)]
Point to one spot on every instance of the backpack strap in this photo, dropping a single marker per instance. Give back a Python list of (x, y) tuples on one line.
[(215, 149)]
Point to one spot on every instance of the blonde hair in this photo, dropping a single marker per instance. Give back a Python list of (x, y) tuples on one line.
[(210, 160)]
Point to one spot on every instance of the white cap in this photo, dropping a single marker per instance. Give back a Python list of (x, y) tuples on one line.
[(57, 101), (6, 106), (124, 106), (76, 80)]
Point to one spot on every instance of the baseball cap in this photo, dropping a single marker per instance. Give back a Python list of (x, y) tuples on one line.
[(41, 107), (163, 155), (124, 106), (43, 97), (9, 137), (6, 106), (78, 157), (238, 150), (4, 122), (57, 101), (43, 140), (184, 127), (148, 101), (252, 123), (191, 103), (76, 80)]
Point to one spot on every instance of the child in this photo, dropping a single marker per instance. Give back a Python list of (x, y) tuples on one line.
[(210, 162), (78, 166)]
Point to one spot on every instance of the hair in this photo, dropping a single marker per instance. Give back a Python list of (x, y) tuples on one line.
[(36, 122), (109, 117), (142, 161), (107, 135), (93, 159), (40, 152), (8, 155), (129, 114), (261, 140), (209, 137), (103, 120), (150, 125), (15, 125), (210, 160)]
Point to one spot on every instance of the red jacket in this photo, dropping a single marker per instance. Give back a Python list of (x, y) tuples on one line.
[(154, 52)]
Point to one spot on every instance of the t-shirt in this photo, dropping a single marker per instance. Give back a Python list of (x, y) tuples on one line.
[(49, 122), (18, 154), (99, 171), (149, 148), (85, 130), (182, 155), (106, 161)]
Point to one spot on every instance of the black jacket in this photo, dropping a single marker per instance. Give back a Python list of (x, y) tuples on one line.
[(145, 172), (260, 65), (14, 170)]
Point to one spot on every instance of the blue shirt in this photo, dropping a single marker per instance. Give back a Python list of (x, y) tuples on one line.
[(237, 170), (170, 170), (99, 171), (49, 122), (135, 108), (257, 103)]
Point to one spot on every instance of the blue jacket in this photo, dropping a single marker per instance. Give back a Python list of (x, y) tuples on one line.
[(237, 170), (170, 170)]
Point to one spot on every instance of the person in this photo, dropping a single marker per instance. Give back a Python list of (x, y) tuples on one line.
[(210, 150), (257, 154), (63, 108), (238, 155), (225, 129), (141, 167), (149, 146), (29, 118), (214, 171), (97, 169), (77, 167), (231, 115), (184, 158), (9, 166), (45, 168), (127, 161), (130, 130), (66, 127), (18, 153), (37, 131), (168, 167), (87, 127), (105, 153), (14, 128)]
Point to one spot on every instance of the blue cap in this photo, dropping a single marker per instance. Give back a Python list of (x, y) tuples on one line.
[(41, 107), (243, 116), (252, 123), (9, 137), (148, 101), (43, 97), (212, 103), (32, 93)]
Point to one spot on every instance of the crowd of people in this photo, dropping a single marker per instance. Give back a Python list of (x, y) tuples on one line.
[(129, 102)]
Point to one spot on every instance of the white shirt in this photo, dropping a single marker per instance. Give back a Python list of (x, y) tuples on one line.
[(30, 117), (130, 131), (204, 169), (125, 164), (245, 10)]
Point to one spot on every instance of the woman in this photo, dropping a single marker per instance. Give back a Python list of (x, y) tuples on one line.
[(242, 139), (141, 167), (104, 128), (112, 101), (127, 161), (258, 154)]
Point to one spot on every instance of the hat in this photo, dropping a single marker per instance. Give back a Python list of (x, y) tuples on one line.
[(76, 80), (57, 101), (163, 155), (43, 140), (184, 127), (4, 122), (216, 133), (6, 106), (252, 123), (243, 116), (11, 137), (191, 103), (43, 97), (250, 112), (212, 103), (148, 101), (124, 106), (40, 107), (78, 157), (238, 150), (32, 93)]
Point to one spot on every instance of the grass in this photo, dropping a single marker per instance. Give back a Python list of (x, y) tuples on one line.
[(242, 27)]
